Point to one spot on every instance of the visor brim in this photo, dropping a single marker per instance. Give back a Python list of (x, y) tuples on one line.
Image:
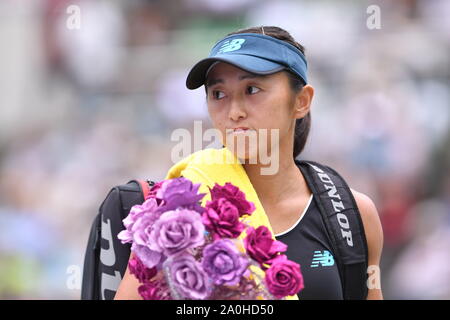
[(197, 76)]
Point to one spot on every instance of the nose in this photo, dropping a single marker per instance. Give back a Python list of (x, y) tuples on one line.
[(237, 110)]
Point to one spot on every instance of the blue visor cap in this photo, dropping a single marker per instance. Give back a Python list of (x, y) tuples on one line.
[(252, 52)]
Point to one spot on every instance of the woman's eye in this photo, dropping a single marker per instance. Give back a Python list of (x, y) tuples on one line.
[(252, 89), (218, 94)]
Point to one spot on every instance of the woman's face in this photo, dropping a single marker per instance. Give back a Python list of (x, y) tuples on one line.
[(239, 99)]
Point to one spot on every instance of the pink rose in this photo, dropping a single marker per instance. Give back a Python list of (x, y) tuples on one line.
[(233, 195), (154, 191), (221, 218), (141, 272), (148, 291), (284, 277), (261, 247)]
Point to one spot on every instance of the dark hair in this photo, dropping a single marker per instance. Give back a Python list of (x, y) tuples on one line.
[(302, 126)]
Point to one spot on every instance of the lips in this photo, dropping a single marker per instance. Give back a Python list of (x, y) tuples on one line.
[(239, 129)]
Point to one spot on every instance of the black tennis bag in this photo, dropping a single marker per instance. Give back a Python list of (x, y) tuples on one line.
[(106, 258)]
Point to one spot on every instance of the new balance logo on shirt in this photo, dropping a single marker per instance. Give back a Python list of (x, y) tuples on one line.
[(323, 259)]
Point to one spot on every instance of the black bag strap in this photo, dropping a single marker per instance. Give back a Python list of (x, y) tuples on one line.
[(343, 222)]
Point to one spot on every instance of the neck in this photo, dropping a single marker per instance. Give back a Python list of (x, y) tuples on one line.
[(283, 184)]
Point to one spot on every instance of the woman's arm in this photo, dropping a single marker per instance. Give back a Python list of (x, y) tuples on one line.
[(374, 236), (128, 288)]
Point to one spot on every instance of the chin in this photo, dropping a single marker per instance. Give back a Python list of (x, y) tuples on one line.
[(246, 155)]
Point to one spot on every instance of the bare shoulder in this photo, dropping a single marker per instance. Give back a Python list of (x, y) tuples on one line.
[(374, 235), (370, 217), (365, 204)]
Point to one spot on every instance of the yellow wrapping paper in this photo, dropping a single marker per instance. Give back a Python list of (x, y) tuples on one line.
[(211, 166)]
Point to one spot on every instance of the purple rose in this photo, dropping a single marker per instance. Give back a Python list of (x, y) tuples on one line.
[(260, 245), (187, 277), (221, 218), (234, 195), (147, 209), (223, 262), (179, 193), (141, 231), (284, 277), (138, 269), (148, 257), (138, 225), (176, 231), (146, 213)]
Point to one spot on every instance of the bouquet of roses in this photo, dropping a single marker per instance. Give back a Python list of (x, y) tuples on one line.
[(181, 250)]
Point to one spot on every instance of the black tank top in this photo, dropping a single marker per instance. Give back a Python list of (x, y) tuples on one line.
[(309, 245)]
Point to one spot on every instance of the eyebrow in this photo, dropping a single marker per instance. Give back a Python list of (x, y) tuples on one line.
[(214, 81)]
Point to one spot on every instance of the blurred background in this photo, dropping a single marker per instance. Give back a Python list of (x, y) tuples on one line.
[(85, 109)]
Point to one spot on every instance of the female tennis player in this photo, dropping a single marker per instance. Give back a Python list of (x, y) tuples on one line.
[(254, 79)]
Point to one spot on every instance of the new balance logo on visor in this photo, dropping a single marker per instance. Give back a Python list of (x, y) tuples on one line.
[(324, 259), (232, 45)]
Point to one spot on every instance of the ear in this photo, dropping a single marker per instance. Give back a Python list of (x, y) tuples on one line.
[(303, 101)]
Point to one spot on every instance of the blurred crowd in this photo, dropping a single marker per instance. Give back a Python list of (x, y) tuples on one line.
[(85, 109)]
